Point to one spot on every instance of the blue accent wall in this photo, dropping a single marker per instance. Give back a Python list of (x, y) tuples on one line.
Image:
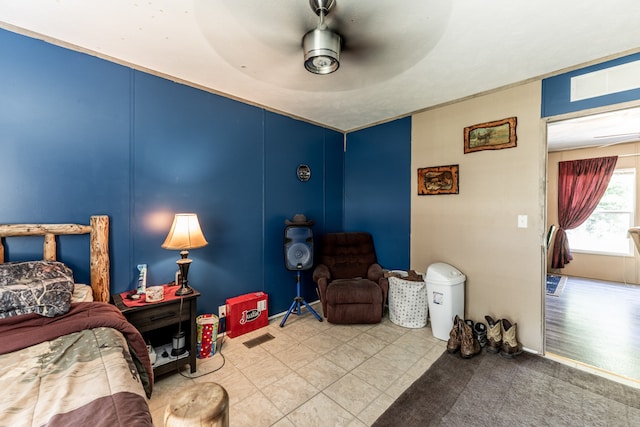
[(197, 152), (82, 136), (556, 90), (378, 189), (290, 143), (64, 148)]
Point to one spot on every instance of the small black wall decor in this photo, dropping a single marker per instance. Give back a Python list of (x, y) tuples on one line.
[(304, 173), (438, 180)]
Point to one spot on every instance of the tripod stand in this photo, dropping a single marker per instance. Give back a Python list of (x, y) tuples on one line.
[(297, 305)]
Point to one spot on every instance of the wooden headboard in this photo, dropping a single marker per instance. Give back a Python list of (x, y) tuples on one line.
[(98, 228)]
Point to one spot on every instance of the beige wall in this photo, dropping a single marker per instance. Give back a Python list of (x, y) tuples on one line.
[(476, 230), (613, 268)]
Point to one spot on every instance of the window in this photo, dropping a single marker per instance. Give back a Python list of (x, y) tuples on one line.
[(605, 231)]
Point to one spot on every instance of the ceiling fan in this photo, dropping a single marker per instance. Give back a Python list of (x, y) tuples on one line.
[(367, 39), (321, 45), (278, 41)]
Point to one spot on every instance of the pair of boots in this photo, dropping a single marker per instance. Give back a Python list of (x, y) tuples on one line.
[(501, 337), (462, 338)]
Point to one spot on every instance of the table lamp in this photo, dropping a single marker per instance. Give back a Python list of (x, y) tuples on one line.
[(185, 234)]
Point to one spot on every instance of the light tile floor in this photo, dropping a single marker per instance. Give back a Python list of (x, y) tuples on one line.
[(312, 373)]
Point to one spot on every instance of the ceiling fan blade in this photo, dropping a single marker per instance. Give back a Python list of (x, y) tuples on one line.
[(272, 51)]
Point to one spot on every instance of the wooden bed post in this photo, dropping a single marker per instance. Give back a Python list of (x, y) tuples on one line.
[(99, 247), (49, 249), (100, 257)]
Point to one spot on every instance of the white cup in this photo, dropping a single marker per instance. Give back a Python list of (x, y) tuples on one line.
[(155, 293), (152, 354)]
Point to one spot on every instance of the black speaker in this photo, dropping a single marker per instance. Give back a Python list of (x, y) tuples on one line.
[(298, 248)]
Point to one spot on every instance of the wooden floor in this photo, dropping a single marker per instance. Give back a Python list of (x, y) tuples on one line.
[(597, 323)]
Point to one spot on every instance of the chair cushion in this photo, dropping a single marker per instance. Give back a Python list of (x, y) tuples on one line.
[(348, 254), (353, 291)]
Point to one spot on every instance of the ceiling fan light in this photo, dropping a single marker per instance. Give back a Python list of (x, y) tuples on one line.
[(321, 51)]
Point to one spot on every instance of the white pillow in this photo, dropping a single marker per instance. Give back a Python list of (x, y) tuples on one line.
[(81, 293)]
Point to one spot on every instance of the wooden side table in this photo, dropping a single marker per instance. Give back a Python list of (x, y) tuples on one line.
[(158, 322)]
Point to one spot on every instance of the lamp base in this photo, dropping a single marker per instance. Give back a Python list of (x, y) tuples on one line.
[(178, 345), (184, 290), (178, 351)]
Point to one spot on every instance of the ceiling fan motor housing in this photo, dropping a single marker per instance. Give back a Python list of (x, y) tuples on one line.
[(321, 51)]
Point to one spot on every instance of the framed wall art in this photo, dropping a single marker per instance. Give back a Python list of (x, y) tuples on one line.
[(494, 135), (303, 172), (438, 180)]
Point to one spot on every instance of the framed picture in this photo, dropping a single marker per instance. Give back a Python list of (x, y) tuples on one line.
[(438, 180), (494, 135)]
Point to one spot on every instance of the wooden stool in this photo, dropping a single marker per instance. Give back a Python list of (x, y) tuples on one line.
[(199, 405)]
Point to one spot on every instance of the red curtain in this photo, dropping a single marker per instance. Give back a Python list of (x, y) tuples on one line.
[(581, 184)]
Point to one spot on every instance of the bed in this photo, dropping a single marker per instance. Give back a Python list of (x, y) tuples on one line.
[(67, 356)]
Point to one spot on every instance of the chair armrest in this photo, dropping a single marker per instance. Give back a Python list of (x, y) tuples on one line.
[(322, 277), (375, 273), (321, 272)]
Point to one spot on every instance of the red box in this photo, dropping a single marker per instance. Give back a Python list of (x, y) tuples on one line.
[(246, 313)]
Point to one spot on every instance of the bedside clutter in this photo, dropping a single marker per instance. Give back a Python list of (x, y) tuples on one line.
[(246, 313), (207, 337), (154, 293), (162, 324)]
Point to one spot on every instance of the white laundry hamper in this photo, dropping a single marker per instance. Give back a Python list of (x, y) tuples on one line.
[(407, 301)]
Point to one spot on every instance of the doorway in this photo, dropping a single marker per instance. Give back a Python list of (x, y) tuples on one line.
[(595, 318)]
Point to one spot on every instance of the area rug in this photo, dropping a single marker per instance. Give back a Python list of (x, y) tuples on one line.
[(529, 390), (555, 284)]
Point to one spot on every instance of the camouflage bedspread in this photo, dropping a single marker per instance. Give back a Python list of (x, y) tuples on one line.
[(87, 377)]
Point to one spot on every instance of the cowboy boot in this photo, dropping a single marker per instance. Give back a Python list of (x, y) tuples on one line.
[(480, 331), (453, 344), (510, 345), (469, 345), (494, 335)]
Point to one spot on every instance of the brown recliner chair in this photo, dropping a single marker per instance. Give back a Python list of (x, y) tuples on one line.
[(352, 285)]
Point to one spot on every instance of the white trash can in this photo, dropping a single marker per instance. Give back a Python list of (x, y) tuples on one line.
[(445, 296)]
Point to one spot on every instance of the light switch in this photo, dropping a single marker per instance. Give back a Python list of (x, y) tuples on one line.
[(522, 221)]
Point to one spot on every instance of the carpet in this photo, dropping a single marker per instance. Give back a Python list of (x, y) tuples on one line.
[(489, 390), (555, 284)]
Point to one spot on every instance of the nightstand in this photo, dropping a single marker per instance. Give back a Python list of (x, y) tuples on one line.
[(158, 322)]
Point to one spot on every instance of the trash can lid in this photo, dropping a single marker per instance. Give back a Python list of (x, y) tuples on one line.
[(444, 274)]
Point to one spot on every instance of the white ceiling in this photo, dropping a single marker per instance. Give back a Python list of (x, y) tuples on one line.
[(595, 130), (399, 56)]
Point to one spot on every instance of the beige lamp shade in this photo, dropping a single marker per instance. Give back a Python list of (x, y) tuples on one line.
[(185, 233)]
